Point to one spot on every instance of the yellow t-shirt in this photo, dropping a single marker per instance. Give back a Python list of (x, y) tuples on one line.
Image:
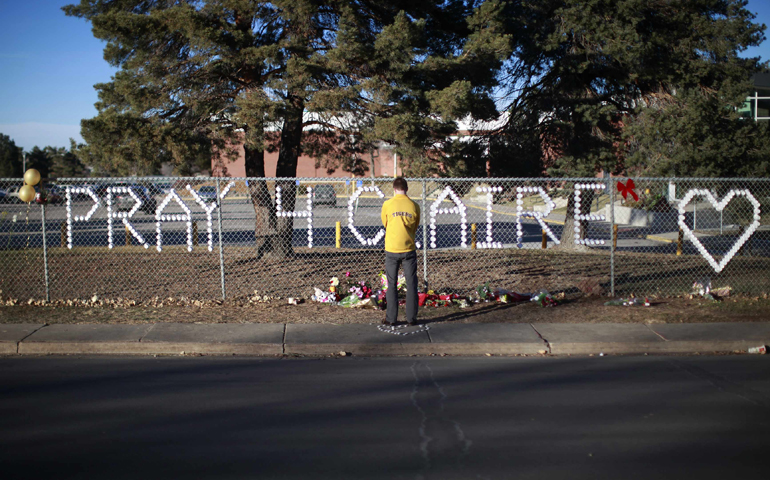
[(400, 217)]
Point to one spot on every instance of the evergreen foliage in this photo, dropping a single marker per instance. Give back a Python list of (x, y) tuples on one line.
[(587, 68), (624, 86), (51, 162), (10, 158), (64, 163), (247, 71), (583, 86), (39, 159), (696, 135)]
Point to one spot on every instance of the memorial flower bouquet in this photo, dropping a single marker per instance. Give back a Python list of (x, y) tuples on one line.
[(432, 299), (346, 291), (324, 297), (361, 290), (484, 292), (400, 283), (544, 299)]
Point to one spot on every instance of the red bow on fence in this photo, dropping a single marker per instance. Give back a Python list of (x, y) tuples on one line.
[(628, 188)]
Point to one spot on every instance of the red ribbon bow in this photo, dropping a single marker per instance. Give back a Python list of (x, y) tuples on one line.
[(628, 188)]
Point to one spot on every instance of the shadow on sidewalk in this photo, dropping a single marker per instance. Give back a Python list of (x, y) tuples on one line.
[(492, 308)]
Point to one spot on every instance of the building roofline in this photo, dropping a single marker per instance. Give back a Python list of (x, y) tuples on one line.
[(761, 80)]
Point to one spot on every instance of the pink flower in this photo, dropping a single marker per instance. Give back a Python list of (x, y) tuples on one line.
[(357, 292), (347, 274)]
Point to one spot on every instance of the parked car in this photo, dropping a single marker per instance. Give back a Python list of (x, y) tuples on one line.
[(80, 195), (159, 188), (324, 194), (124, 201), (208, 193), (12, 194), (2, 196), (50, 195), (101, 190)]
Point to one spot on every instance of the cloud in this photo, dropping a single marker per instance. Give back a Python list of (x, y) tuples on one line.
[(29, 135)]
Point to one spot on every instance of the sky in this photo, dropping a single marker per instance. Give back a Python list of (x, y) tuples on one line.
[(49, 64)]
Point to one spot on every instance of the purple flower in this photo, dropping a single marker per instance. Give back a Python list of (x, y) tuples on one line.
[(357, 291)]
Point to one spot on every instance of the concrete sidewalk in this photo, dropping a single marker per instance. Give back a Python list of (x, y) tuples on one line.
[(325, 339)]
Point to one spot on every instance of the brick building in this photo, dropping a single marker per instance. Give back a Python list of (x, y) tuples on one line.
[(383, 164)]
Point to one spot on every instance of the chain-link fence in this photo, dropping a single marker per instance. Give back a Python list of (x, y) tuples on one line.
[(209, 238)]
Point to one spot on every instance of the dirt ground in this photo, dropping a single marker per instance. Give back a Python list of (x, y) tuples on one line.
[(136, 286), (134, 273), (579, 309)]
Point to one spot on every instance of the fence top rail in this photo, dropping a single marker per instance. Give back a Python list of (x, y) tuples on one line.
[(389, 179)]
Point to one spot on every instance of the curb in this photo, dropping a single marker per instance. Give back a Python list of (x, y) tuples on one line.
[(362, 340), (325, 349), (656, 238), (149, 348), (415, 349), (651, 348)]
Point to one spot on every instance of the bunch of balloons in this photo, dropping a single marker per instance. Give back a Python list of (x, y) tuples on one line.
[(27, 192)]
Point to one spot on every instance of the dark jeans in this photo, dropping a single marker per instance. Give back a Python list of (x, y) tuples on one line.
[(392, 263)]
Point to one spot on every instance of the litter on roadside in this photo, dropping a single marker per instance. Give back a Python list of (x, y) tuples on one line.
[(722, 292), (544, 298), (506, 296), (702, 287), (762, 349), (629, 302)]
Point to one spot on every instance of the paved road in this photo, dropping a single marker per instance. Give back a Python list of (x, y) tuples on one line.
[(391, 418)]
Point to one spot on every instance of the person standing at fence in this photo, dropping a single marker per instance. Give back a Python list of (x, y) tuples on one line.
[(400, 217)]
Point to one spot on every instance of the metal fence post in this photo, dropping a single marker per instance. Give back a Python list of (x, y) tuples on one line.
[(611, 190), (45, 255), (221, 248), (423, 213)]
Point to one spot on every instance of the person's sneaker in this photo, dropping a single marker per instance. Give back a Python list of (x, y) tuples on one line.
[(413, 323), (386, 322)]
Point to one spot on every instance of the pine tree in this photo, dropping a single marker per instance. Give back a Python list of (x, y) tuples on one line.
[(10, 158), (586, 68), (40, 159), (247, 71), (65, 163), (691, 133), (430, 67)]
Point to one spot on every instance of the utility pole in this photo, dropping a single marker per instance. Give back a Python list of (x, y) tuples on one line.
[(372, 155)]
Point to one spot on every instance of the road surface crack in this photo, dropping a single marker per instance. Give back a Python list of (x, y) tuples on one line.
[(443, 443), (724, 385)]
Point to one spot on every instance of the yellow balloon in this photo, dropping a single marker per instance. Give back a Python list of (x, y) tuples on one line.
[(31, 177), (27, 193)]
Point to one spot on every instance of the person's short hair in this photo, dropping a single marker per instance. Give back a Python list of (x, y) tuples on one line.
[(400, 184)]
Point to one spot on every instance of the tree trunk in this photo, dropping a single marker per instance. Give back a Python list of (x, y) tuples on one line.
[(288, 155), (264, 227), (568, 234)]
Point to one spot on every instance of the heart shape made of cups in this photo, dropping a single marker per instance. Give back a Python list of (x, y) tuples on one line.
[(719, 206)]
